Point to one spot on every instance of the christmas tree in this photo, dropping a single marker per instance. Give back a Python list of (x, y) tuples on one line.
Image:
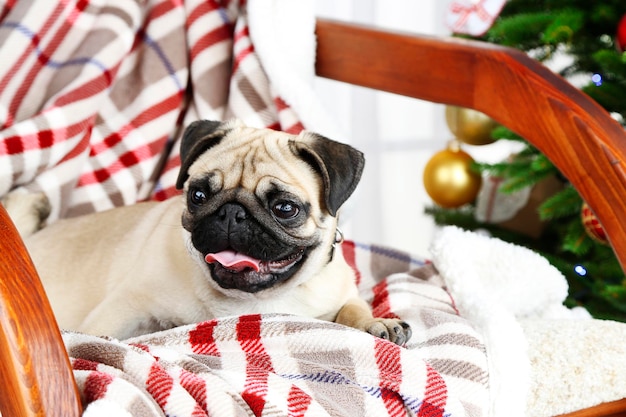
[(592, 35)]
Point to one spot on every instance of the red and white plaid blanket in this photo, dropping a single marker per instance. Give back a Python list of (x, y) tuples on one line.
[(276, 365)]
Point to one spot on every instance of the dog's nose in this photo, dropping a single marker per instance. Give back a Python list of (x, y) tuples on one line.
[(232, 212)]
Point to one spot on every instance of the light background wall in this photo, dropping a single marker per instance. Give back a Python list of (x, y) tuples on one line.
[(397, 134)]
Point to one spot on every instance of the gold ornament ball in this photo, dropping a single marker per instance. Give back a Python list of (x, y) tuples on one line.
[(470, 126), (449, 180)]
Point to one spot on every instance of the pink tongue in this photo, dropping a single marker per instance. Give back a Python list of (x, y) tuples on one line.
[(233, 260)]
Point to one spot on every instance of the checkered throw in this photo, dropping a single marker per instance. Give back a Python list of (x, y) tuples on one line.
[(262, 365), (94, 94)]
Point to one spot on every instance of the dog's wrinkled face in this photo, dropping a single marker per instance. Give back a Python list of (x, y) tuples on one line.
[(261, 205)]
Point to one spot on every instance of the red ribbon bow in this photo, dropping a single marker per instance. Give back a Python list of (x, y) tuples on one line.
[(465, 11)]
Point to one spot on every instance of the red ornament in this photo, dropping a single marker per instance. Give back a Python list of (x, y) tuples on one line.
[(620, 37), (592, 225)]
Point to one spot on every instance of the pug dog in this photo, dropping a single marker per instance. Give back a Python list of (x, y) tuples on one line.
[(254, 232)]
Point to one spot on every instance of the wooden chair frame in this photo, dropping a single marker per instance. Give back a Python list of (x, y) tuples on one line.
[(580, 138)]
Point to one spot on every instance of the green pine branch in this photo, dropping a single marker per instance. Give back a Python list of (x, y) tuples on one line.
[(564, 204)]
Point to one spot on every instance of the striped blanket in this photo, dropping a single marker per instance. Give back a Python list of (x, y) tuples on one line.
[(94, 95), (262, 365)]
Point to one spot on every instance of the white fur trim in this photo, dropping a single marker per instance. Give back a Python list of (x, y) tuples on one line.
[(495, 284)]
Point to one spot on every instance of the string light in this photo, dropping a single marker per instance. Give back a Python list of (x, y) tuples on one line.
[(580, 270), (597, 79)]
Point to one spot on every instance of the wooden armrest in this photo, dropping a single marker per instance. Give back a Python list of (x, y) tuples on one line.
[(35, 374), (572, 130), (612, 409)]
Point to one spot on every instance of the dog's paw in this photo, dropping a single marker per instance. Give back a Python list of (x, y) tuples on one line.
[(28, 211), (394, 330)]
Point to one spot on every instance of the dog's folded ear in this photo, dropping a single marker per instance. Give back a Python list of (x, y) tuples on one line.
[(339, 165), (199, 137)]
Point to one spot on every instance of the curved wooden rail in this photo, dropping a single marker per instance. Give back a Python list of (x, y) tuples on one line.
[(574, 132), (35, 374), (612, 409)]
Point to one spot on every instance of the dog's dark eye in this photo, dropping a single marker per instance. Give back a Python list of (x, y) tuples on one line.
[(197, 196), (285, 210)]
